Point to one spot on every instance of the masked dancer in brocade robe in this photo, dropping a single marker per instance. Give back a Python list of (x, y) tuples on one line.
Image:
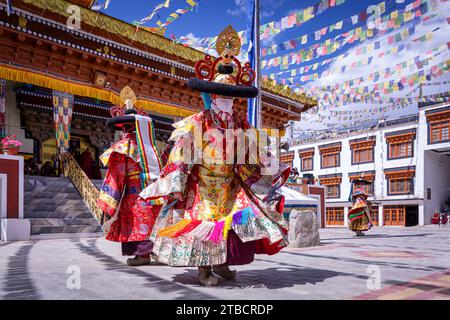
[(132, 163), (230, 209), (359, 214)]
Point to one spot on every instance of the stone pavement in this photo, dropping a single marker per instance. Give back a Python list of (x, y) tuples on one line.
[(388, 263)]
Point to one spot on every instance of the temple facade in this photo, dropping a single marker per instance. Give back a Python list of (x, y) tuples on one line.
[(62, 68), (43, 53)]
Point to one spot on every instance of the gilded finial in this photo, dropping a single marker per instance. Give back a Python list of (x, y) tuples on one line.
[(127, 94)]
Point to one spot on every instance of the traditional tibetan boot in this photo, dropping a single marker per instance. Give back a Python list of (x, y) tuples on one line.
[(206, 278), (138, 261), (224, 271)]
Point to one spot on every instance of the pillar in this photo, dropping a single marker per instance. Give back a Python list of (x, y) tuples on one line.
[(421, 214), (380, 215)]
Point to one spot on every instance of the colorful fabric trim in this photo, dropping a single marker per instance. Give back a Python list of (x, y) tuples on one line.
[(357, 215), (126, 147), (146, 141), (249, 224)]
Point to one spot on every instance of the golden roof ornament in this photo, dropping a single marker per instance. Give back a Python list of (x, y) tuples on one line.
[(228, 44), (127, 94)]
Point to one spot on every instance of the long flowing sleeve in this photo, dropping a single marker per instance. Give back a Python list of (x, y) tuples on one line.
[(181, 160), (112, 188)]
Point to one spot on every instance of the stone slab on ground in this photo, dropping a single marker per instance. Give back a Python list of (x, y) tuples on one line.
[(303, 229)]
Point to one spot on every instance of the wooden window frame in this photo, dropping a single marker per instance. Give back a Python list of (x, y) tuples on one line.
[(306, 154), (439, 125), (331, 181), (369, 189), (325, 165), (395, 142), (334, 151), (407, 176), (442, 121), (337, 195), (309, 159), (363, 146), (407, 181)]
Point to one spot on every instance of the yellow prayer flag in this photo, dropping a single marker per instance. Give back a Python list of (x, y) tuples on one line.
[(192, 3), (308, 14), (408, 16), (394, 14)]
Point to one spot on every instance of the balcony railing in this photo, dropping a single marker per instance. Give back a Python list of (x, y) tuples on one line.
[(83, 184)]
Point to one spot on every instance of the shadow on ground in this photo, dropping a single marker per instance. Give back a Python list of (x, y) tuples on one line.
[(270, 278), (148, 280), (17, 283)]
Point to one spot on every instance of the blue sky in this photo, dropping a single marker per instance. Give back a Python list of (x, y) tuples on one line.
[(212, 16)]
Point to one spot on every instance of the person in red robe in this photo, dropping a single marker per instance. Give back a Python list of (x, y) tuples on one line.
[(128, 222)]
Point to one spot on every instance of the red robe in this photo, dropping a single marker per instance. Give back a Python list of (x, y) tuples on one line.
[(135, 220)]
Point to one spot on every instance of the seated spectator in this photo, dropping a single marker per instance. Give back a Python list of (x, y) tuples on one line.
[(47, 170), (31, 167)]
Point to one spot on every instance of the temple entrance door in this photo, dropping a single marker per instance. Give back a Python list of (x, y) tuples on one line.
[(48, 150), (86, 155), (81, 143)]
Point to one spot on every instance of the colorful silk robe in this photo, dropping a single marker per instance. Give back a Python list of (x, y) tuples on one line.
[(359, 215), (121, 189), (218, 197)]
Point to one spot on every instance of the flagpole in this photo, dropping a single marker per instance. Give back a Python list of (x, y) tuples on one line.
[(258, 66)]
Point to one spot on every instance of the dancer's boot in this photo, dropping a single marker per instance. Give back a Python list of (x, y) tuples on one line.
[(206, 278), (224, 271)]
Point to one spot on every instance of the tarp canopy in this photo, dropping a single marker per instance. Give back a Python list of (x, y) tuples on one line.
[(293, 197)]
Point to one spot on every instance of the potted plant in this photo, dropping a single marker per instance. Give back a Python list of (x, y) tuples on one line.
[(10, 145)]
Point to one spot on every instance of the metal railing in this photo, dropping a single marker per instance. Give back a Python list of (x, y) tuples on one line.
[(82, 183)]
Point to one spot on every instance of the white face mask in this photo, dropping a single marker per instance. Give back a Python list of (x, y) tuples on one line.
[(224, 105)]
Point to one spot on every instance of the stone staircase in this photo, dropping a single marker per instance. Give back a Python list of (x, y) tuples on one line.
[(55, 208)]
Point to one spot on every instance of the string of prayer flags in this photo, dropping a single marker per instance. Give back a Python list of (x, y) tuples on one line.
[(418, 61), (295, 19), (158, 7), (330, 46), (175, 15), (391, 20)]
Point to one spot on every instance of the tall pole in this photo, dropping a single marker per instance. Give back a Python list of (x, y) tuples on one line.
[(258, 66)]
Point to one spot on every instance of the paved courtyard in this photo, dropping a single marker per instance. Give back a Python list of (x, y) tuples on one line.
[(388, 263)]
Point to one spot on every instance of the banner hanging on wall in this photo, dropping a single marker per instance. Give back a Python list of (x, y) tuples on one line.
[(62, 117)]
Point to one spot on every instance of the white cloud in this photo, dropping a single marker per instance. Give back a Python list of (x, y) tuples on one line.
[(240, 8)]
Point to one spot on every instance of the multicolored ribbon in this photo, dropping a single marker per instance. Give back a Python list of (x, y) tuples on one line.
[(150, 161)]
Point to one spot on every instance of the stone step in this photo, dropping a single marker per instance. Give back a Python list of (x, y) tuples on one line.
[(51, 207), (62, 222), (54, 206), (57, 201), (60, 215), (52, 195), (64, 229), (56, 189), (50, 236)]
